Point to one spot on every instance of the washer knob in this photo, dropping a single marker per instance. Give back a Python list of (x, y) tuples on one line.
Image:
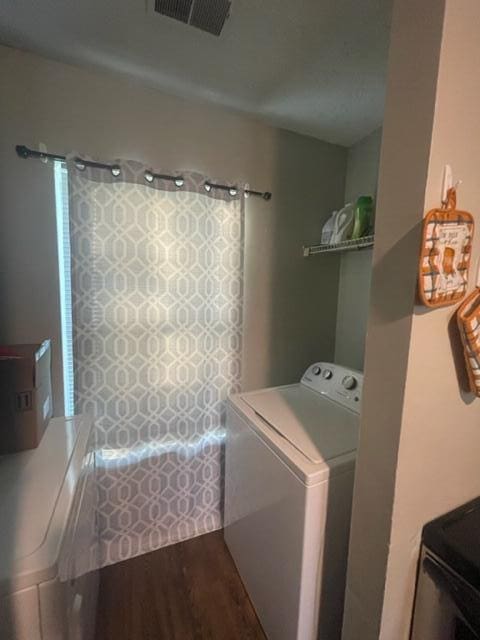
[(327, 374), (316, 370), (349, 382)]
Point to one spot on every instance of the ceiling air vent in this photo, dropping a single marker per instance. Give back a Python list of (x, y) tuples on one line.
[(208, 15)]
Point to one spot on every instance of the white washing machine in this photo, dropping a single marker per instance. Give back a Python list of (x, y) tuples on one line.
[(48, 537), (290, 456)]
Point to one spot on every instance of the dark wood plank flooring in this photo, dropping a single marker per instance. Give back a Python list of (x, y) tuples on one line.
[(188, 591)]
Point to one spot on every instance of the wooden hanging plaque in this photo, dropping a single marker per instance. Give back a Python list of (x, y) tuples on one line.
[(446, 253), (468, 318)]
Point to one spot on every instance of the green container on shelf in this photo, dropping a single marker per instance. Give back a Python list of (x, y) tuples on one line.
[(363, 221)]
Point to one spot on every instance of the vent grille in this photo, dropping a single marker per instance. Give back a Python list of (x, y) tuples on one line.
[(178, 9), (207, 15)]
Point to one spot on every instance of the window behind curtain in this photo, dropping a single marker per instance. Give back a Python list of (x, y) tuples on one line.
[(63, 241)]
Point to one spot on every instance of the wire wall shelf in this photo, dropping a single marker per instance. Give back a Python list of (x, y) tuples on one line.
[(345, 245)]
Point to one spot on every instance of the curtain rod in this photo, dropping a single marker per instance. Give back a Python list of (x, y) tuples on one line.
[(25, 152)]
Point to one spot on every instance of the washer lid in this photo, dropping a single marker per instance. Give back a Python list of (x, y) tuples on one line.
[(318, 427)]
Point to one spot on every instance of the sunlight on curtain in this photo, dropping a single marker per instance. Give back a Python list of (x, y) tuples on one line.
[(157, 315)]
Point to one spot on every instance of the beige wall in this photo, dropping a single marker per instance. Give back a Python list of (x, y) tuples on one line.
[(356, 266), (362, 167), (407, 127), (439, 456), (290, 302), (420, 429)]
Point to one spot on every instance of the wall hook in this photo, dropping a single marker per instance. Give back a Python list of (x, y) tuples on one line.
[(447, 183)]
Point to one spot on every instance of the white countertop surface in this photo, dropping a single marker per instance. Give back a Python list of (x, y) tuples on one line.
[(37, 488)]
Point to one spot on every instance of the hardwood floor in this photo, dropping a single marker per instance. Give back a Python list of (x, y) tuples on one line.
[(189, 591)]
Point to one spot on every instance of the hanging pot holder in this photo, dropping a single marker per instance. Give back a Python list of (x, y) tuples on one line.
[(446, 251), (468, 318)]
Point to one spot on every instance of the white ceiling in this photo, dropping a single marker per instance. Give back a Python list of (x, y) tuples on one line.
[(313, 66)]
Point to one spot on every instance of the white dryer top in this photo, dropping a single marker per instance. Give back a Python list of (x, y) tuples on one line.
[(37, 489), (320, 428)]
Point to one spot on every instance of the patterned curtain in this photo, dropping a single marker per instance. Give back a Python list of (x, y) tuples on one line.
[(157, 313)]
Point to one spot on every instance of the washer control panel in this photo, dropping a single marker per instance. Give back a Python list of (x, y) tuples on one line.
[(338, 383)]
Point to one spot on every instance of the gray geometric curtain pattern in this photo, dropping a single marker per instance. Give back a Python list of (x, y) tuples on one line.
[(157, 273)]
